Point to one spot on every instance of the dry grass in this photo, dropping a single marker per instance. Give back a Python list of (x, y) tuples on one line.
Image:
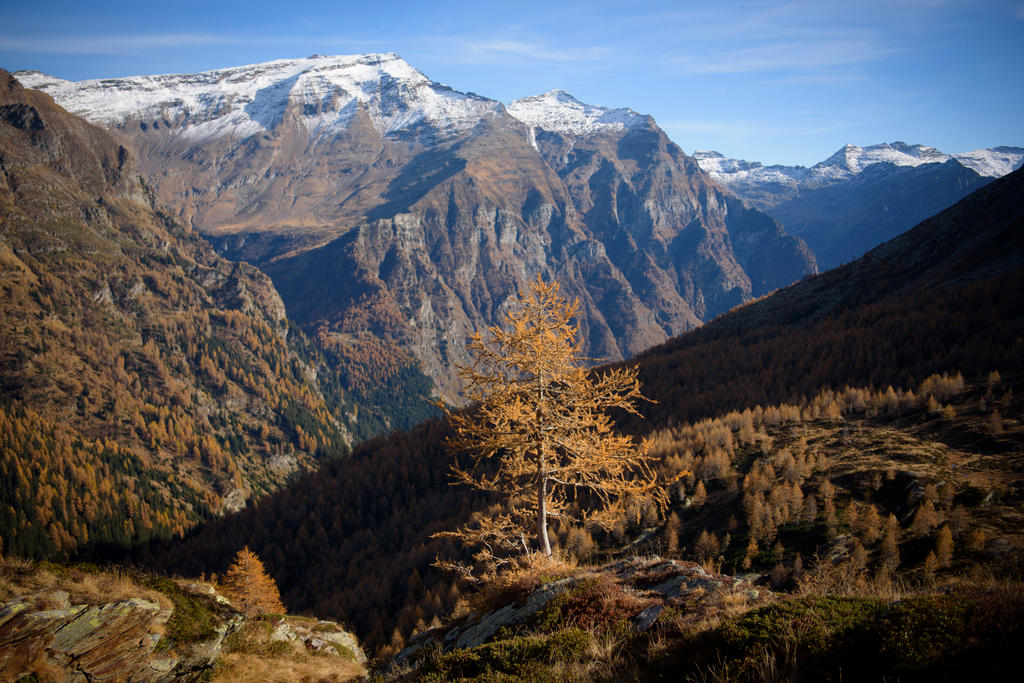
[(846, 580), (247, 668), (250, 654), (761, 665), (83, 586), (608, 650), (515, 584)]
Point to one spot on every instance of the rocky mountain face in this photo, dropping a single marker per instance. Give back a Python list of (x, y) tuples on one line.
[(396, 215), (860, 196), (686, 249), (147, 382)]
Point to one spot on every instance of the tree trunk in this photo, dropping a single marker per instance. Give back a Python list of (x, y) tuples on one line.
[(542, 514), (542, 474)]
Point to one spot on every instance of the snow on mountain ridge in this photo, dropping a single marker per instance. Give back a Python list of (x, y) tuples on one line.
[(559, 112), (324, 92), (851, 160), (855, 159)]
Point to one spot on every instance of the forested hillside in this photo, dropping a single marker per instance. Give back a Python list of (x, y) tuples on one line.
[(145, 383), (353, 539)]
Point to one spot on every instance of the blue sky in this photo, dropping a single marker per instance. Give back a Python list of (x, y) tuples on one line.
[(778, 82)]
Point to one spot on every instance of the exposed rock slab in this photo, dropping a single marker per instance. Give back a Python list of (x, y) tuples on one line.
[(109, 642)]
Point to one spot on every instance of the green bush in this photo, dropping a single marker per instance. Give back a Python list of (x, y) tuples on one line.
[(812, 624), (192, 619), (958, 636), (524, 657), (920, 632)]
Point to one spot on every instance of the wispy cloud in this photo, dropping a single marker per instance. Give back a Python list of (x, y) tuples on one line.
[(530, 50), (511, 51), (146, 43), (825, 78), (117, 45), (784, 56)]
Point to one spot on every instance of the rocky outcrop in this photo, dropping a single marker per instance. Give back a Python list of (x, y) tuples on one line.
[(139, 639), (110, 642), (323, 637), (649, 584)]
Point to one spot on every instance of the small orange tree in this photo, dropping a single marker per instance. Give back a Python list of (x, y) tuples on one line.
[(248, 586), (539, 431)]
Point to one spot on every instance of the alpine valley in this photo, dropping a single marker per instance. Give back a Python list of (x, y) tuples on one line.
[(396, 215), (148, 383), (235, 303)]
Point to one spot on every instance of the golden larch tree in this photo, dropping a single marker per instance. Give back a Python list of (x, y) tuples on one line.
[(248, 586), (538, 430)]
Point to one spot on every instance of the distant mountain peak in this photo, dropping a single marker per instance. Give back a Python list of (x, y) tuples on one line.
[(860, 196), (849, 161), (853, 159), (560, 112)]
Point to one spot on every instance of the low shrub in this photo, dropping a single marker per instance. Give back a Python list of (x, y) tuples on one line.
[(596, 603), (535, 658), (965, 635), (193, 618)]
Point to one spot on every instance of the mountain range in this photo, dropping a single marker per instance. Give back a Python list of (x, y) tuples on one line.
[(396, 215), (860, 196)]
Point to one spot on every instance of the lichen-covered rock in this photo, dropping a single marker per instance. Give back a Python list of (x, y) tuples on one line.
[(342, 641), (480, 629), (111, 642), (326, 637)]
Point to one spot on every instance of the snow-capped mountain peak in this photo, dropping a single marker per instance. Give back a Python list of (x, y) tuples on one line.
[(717, 163), (322, 92), (854, 159), (559, 112), (850, 161)]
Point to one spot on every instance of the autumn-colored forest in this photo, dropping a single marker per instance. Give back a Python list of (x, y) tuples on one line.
[(352, 540), (145, 383)]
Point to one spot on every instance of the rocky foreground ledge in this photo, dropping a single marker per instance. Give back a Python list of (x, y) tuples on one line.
[(637, 592), (113, 641), (176, 631)]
